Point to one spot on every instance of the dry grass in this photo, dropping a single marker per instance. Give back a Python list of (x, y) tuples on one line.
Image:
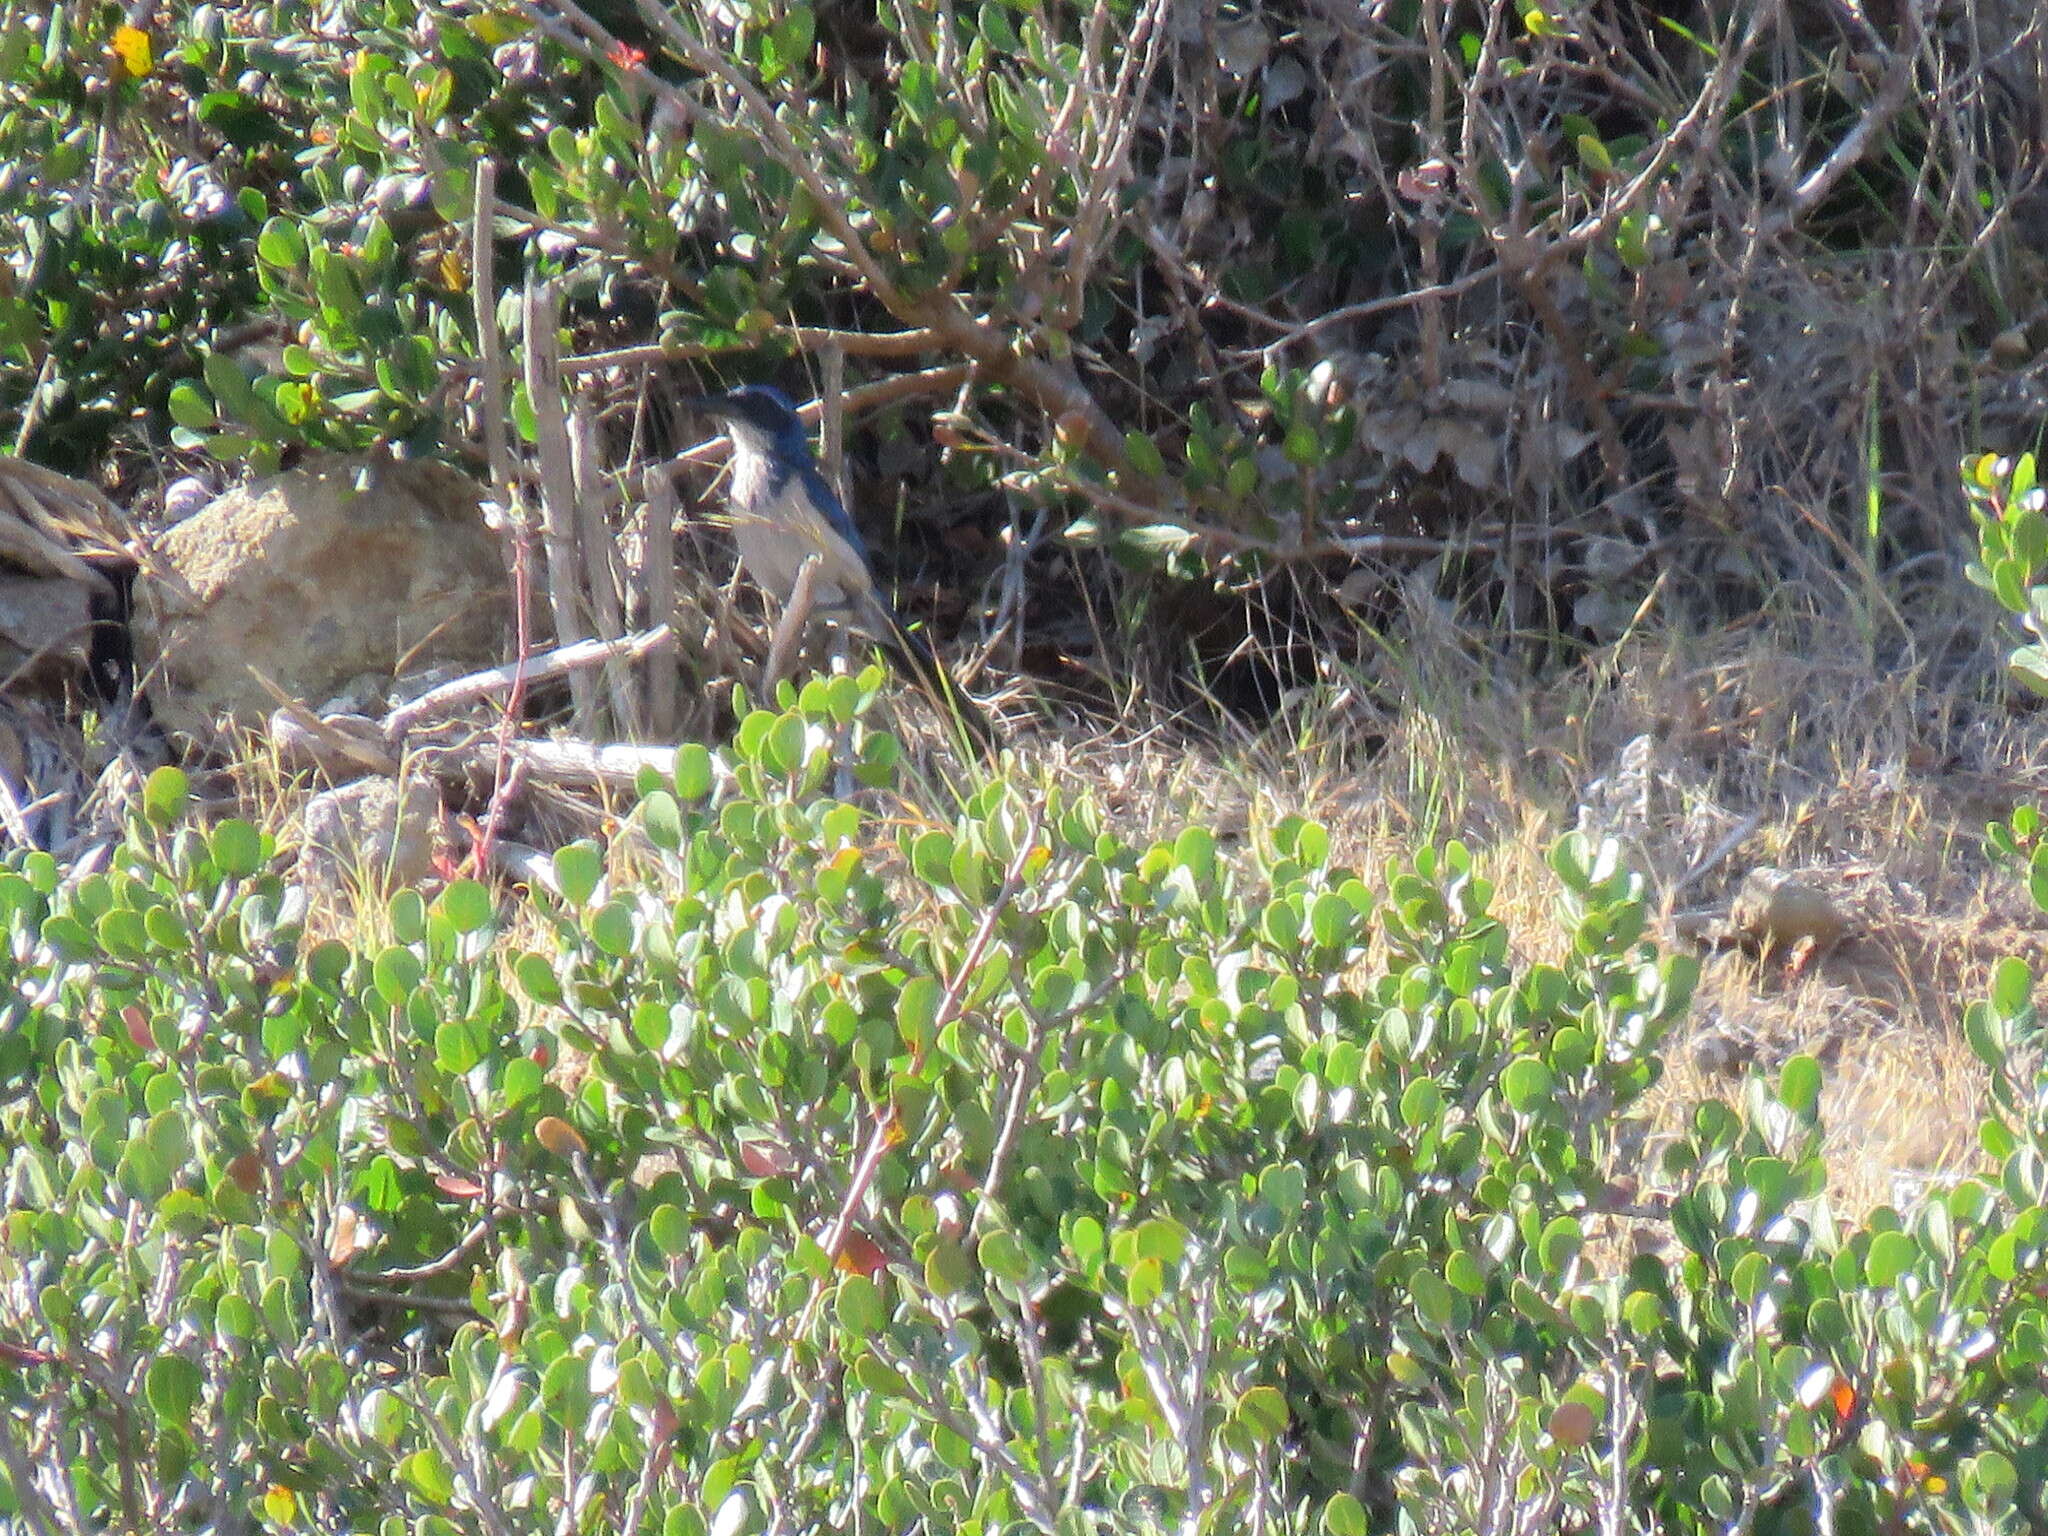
[(1805, 741)]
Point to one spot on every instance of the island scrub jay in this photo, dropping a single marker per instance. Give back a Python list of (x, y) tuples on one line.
[(784, 512)]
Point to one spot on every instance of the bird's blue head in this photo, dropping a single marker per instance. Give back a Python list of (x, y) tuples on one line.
[(761, 417)]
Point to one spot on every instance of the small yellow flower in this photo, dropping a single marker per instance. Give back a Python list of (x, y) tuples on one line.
[(131, 46)]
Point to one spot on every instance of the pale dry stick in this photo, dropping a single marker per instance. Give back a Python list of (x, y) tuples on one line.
[(559, 662), (32, 413), (1356, 546), (557, 481), (1213, 297), (1700, 123), (447, 1263), (1008, 622), (832, 426), (600, 551), (1429, 226), (805, 338), (494, 421), (527, 865), (903, 386), (663, 671), (660, 1457), (789, 628), (1525, 259), (492, 418), (1197, 1378), (601, 559), (590, 765), (13, 814), (504, 782)]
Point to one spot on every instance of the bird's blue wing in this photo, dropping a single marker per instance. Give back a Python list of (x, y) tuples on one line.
[(818, 491)]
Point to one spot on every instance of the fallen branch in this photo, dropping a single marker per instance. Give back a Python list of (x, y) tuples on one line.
[(559, 662), (591, 765)]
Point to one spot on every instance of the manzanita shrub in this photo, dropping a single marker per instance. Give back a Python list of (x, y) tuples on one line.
[(2011, 512), (806, 1163)]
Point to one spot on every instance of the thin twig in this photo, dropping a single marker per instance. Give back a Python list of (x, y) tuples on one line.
[(805, 338)]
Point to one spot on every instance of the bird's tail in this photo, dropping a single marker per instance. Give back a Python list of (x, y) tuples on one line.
[(910, 652)]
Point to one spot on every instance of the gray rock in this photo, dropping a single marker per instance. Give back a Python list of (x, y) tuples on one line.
[(371, 834)]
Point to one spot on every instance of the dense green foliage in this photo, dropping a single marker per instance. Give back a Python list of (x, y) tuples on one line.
[(1291, 284), (2011, 511), (797, 1165), (830, 1170)]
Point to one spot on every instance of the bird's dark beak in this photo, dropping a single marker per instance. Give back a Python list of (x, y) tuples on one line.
[(718, 406)]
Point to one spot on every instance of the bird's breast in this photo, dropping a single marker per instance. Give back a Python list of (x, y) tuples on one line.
[(776, 529)]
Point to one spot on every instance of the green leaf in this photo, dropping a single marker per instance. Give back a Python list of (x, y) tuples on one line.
[(694, 771), (1891, 1255), (165, 795), (859, 1306), (1150, 546), (192, 408), (1004, 1257), (878, 1377), (996, 27), (1344, 1516), (1145, 1283), (1161, 1238), (670, 1229), (1527, 1084), (230, 386), (1435, 1303), (1990, 1482), (466, 905), (172, 1387), (428, 1476), (948, 1270), (663, 819), (1144, 455), (611, 928), (1264, 1411), (1799, 1086), (281, 244), (2012, 987), (917, 1011), (1559, 1245), (395, 973), (408, 913), (237, 848), (1422, 1105), (578, 868)]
